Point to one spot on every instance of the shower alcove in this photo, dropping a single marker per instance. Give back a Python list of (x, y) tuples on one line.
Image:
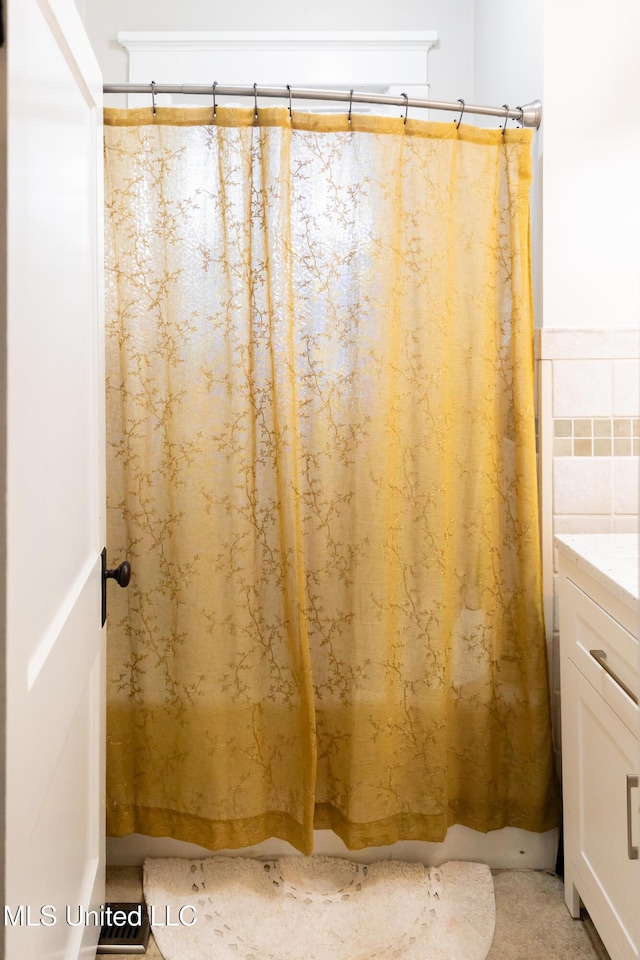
[(389, 63)]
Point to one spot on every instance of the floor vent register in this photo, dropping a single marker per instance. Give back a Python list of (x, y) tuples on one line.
[(125, 930)]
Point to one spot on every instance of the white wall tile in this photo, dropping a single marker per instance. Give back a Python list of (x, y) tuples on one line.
[(545, 477), (586, 344), (583, 524), (628, 524), (626, 388), (582, 485), (626, 495), (582, 388)]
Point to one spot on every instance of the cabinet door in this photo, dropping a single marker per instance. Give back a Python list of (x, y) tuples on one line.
[(599, 753)]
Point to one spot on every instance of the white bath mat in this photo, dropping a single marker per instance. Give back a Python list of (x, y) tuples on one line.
[(319, 908)]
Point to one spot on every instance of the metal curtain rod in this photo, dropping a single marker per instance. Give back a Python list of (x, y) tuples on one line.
[(530, 115)]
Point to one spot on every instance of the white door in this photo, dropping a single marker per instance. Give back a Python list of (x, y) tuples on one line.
[(55, 471)]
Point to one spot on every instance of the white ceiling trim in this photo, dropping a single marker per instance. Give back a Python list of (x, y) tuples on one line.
[(384, 61)]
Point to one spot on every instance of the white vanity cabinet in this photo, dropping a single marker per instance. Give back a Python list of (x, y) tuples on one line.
[(599, 663)]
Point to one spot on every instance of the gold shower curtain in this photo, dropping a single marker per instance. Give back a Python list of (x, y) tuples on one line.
[(321, 465)]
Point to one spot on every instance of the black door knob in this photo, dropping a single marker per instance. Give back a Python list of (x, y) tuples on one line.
[(121, 574)]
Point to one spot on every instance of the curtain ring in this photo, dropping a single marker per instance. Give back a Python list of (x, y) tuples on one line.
[(153, 96), (350, 105), (461, 115), (289, 89), (520, 121), (506, 117), (406, 107), (255, 101), (215, 109)]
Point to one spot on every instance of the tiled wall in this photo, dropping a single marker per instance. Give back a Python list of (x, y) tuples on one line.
[(589, 446), (596, 437)]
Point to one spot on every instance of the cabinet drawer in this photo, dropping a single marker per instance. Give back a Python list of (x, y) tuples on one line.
[(604, 652)]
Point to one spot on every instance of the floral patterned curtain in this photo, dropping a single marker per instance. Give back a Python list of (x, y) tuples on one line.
[(322, 468)]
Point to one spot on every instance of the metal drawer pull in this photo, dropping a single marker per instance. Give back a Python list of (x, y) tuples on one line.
[(632, 852), (601, 657)]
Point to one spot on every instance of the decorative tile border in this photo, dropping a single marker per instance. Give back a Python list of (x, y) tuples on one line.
[(604, 344), (596, 437)]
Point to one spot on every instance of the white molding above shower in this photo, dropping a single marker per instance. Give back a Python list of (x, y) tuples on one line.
[(385, 62)]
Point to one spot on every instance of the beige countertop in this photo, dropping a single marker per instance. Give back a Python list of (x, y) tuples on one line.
[(610, 558)]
